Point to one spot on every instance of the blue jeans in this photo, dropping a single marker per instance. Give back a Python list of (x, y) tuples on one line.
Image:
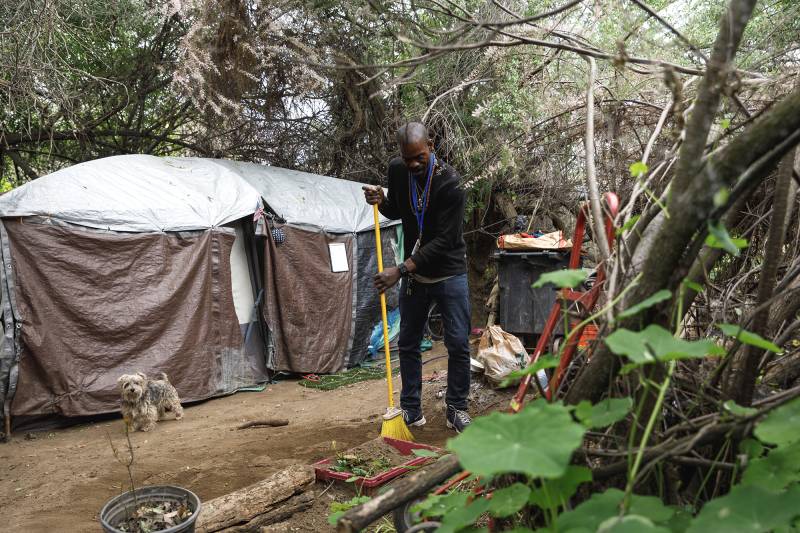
[(452, 298)]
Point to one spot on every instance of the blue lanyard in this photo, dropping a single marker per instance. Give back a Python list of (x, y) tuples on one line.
[(419, 211)]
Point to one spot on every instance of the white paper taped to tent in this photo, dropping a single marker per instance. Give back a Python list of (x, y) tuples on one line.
[(137, 193), (310, 200), (339, 262)]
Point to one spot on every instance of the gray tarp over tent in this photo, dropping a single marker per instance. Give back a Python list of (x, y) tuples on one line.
[(137, 263), (126, 264)]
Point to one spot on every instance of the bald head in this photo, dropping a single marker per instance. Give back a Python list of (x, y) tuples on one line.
[(415, 147), (412, 132)]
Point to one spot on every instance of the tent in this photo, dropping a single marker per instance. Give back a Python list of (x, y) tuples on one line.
[(138, 263), (320, 314)]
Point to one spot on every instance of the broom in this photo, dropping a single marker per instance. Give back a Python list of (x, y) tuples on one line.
[(394, 426)]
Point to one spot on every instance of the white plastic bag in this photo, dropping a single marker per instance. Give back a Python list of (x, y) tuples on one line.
[(499, 353)]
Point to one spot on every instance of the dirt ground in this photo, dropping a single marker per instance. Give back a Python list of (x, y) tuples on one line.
[(59, 480)]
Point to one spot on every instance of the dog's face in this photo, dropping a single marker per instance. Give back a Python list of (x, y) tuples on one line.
[(132, 386)]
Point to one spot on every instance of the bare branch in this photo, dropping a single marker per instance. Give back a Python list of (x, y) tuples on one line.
[(591, 176), (459, 87), (671, 28)]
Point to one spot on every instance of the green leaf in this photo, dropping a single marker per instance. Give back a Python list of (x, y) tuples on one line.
[(557, 492), (725, 123), (696, 287), (562, 278), (628, 225), (781, 426), (638, 169), (509, 500), (537, 441), (719, 238), (655, 343), (737, 410), (422, 452), (721, 197), (749, 509), (776, 470), (545, 361), (464, 516), (647, 303), (604, 505), (586, 516), (680, 521), (748, 337), (334, 517), (752, 448), (630, 524), (604, 413), (337, 509), (439, 505), (730, 244), (651, 507)]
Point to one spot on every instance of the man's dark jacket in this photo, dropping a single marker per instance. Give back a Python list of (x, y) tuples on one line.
[(443, 251)]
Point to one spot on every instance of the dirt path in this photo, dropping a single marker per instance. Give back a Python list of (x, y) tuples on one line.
[(60, 480)]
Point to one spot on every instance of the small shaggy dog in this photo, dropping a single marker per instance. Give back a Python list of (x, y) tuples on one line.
[(145, 401)]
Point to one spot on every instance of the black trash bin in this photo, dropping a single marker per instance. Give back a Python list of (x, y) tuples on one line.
[(521, 309)]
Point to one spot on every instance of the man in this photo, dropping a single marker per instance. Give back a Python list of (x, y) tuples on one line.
[(426, 194)]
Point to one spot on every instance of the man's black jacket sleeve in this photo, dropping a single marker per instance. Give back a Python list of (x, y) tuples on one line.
[(390, 208)]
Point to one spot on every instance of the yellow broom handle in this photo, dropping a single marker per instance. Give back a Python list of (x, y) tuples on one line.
[(386, 349)]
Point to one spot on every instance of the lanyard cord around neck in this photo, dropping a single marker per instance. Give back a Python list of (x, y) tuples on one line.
[(419, 211)]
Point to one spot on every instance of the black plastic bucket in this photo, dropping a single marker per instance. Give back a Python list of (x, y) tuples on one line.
[(116, 510)]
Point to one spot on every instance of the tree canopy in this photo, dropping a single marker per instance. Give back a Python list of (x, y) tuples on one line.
[(689, 110)]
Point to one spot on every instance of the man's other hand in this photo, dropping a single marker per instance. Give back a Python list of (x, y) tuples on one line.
[(387, 279), (374, 195)]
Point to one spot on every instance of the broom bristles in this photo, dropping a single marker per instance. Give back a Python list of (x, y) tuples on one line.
[(395, 427)]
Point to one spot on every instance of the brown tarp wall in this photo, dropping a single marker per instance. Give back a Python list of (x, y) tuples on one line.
[(96, 305), (308, 307)]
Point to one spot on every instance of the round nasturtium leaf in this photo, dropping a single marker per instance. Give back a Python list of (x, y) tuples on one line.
[(557, 492), (509, 500), (604, 508), (782, 425), (562, 278), (603, 413), (630, 524), (748, 509), (538, 441), (776, 470)]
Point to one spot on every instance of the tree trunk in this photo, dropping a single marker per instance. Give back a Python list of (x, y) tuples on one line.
[(741, 381), (756, 150), (693, 189), (786, 307)]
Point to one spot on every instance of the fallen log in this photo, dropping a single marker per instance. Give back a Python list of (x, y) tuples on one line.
[(270, 422), (293, 505), (402, 491), (280, 527), (268, 501)]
